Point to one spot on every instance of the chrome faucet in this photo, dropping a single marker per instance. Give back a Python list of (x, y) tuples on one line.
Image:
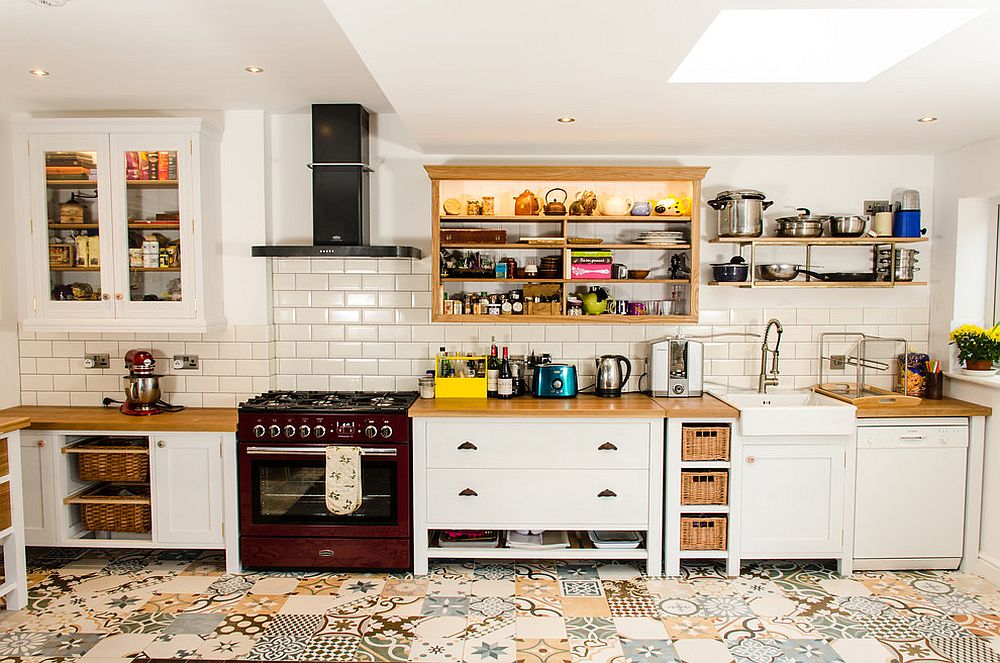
[(764, 380)]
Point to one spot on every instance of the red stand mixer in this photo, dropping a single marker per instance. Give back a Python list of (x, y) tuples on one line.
[(142, 386)]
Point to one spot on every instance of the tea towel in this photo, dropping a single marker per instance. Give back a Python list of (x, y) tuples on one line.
[(343, 479)]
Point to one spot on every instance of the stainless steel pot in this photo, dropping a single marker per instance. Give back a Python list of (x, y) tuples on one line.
[(906, 264), (778, 271), (804, 224), (847, 226), (741, 212), (729, 272)]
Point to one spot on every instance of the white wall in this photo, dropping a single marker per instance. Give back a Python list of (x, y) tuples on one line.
[(9, 376), (966, 184)]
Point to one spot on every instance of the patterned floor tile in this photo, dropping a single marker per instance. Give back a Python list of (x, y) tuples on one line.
[(250, 625), (538, 606), (595, 651), (858, 650), (147, 622), (649, 651), (490, 587), (535, 570), (691, 627), (279, 648), (591, 587), (441, 628), (391, 627), (409, 586), (703, 651), (169, 603), (436, 651), (524, 586), (194, 623), (21, 643), (590, 628), (378, 648), (494, 571), (479, 650), (69, 645), (445, 606), (539, 650), (619, 571), (225, 647), (298, 625), (543, 628), (178, 646), (491, 606), (322, 586), (633, 606), (401, 606), (640, 628), (259, 604), (583, 606), (985, 626)]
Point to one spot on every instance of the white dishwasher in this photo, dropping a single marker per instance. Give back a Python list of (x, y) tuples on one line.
[(910, 493)]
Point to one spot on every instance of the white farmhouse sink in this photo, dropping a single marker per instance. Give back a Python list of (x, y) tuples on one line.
[(791, 413)]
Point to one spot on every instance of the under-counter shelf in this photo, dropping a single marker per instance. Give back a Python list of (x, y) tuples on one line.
[(816, 241), (817, 284), (541, 218), (580, 547)]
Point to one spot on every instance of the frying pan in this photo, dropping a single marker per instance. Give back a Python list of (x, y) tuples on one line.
[(787, 272)]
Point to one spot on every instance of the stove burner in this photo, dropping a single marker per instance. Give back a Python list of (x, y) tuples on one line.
[(332, 401)]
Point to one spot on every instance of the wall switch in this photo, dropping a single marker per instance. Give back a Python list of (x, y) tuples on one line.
[(185, 362), (96, 361)]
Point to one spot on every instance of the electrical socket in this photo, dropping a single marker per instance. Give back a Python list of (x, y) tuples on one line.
[(870, 205), (838, 362), (96, 361), (185, 362)]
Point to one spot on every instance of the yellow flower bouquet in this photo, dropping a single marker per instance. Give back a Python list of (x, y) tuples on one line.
[(977, 347)]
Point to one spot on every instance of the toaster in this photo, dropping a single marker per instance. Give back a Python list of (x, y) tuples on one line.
[(554, 381), (676, 367)]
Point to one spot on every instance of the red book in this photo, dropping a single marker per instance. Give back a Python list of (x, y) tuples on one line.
[(143, 166), (131, 165)]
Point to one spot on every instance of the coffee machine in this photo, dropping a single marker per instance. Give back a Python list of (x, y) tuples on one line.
[(676, 367), (142, 384)]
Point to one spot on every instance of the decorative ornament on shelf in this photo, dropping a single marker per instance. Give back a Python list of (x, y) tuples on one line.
[(979, 348)]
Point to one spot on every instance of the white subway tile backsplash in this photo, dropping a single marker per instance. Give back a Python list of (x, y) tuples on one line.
[(346, 281), (291, 298), (379, 282), (378, 316), (356, 266), (394, 299), (311, 282), (414, 282), (378, 350), (359, 333), (879, 316)]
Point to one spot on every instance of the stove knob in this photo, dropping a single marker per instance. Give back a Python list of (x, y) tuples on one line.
[(290, 431), (370, 431), (258, 431), (386, 431), (319, 431), (304, 431), (274, 430)]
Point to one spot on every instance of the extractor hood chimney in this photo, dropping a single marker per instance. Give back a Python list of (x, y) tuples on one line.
[(340, 173)]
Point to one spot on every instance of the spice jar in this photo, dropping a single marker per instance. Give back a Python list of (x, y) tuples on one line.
[(488, 206), (426, 387), (473, 208)]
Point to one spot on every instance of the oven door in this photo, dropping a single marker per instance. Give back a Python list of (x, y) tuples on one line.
[(282, 492)]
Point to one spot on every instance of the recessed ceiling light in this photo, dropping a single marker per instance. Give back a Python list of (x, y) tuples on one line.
[(566, 119), (40, 73), (254, 70), (812, 45), (927, 118)]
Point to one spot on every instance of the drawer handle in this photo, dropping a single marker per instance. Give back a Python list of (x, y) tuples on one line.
[(607, 493), (751, 460), (326, 553), (607, 446), (467, 446), (160, 444), (468, 492), (40, 443)]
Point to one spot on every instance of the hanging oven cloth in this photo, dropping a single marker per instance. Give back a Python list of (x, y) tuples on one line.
[(343, 479)]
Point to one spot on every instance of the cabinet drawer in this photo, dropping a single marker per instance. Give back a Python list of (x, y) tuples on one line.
[(617, 499), (583, 445), (4, 463)]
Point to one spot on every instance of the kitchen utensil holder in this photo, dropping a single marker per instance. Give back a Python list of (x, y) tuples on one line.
[(704, 487), (102, 509), (704, 442), (934, 386), (703, 532), (112, 459)]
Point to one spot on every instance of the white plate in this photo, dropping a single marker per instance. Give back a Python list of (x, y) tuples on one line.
[(981, 374)]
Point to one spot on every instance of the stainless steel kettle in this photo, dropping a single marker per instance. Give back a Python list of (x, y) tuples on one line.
[(610, 376)]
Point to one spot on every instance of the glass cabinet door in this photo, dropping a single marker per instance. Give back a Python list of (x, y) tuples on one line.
[(152, 244), (70, 220)]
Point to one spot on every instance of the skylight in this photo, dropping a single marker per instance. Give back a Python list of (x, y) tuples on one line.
[(813, 45)]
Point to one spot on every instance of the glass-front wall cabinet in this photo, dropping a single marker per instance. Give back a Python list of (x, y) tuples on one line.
[(111, 227)]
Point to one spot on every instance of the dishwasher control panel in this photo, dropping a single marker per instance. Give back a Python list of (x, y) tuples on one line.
[(918, 436)]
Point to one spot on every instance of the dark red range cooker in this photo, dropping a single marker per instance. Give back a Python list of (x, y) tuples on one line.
[(282, 438)]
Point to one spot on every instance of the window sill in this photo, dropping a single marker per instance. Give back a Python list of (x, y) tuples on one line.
[(993, 381)]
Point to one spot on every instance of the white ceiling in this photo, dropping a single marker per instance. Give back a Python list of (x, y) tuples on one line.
[(178, 55), (480, 77)]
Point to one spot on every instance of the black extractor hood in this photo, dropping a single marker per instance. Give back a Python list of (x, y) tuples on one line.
[(340, 174)]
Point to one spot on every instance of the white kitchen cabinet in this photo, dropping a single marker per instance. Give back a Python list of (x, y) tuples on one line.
[(538, 473), (187, 496), (38, 476), (793, 500), (87, 270)]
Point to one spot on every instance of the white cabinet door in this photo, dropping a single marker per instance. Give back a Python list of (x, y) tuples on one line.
[(793, 499), (187, 488), (38, 483)]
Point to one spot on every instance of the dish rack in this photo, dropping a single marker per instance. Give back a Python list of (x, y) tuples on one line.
[(839, 350)]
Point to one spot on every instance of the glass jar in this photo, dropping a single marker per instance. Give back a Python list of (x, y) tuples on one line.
[(426, 387)]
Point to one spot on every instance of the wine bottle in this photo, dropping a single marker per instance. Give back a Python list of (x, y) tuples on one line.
[(444, 366), (505, 379), (492, 370)]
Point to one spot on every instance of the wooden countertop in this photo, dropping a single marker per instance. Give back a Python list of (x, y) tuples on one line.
[(707, 406), (9, 423), (637, 406), (945, 407), (110, 419)]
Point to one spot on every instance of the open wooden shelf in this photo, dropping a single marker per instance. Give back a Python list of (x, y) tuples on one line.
[(816, 241), (578, 281), (583, 319), (580, 547), (53, 268), (542, 218), (155, 225), (154, 269), (817, 284), (566, 245)]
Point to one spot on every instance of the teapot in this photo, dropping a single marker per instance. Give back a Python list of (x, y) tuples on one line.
[(672, 206), (555, 207), (616, 206), (527, 204)]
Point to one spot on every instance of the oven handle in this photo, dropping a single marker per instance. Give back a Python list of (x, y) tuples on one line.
[(310, 451)]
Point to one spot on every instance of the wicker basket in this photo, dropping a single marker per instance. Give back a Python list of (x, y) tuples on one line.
[(705, 443), (112, 459), (704, 487), (113, 507), (703, 532)]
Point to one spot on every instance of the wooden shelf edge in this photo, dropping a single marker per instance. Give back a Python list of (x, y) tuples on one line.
[(816, 241), (816, 284), (582, 319), (568, 173), (543, 218)]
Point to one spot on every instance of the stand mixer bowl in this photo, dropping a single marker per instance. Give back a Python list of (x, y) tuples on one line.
[(142, 392)]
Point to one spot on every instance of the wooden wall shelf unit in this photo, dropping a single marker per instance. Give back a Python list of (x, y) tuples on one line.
[(618, 233), (808, 243)]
